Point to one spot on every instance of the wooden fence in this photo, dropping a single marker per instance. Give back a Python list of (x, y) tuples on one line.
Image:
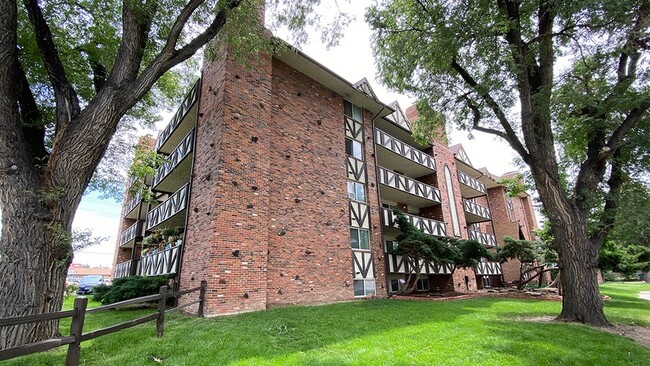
[(78, 315)]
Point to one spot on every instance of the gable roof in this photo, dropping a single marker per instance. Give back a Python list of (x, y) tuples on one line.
[(365, 87)]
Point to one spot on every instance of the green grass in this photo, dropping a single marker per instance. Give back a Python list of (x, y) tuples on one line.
[(374, 332)]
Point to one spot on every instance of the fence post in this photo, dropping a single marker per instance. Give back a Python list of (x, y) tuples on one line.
[(160, 322), (204, 286), (76, 330)]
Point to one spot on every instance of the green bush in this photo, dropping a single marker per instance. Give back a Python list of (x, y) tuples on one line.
[(71, 289), (125, 288)]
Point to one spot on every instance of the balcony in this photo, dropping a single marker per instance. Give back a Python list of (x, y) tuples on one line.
[(161, 263), (176, 170), (399, 188), (475, 213), (483, 238), (396, 153), (132, 207), (488, 269), (428, 226), (168, 211), (125, 269), (397, 264), (470, 187), (182, 122), (129, 236)]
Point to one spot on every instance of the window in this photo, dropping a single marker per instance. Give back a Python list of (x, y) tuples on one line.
[(422, 284), (354, 149), (364, 287), (389, 206), (397, 284), (353, 111), (356, 191), (391, 246), (359, 239)]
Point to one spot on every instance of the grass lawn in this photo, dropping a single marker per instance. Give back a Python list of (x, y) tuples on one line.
[(374, 332)]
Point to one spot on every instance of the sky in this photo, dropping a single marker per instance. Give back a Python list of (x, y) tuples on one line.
[(352, 59)]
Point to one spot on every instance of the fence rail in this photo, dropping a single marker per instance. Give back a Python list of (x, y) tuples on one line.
[(78, 315)]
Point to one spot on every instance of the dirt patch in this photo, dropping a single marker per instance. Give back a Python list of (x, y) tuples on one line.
[(543, 294)]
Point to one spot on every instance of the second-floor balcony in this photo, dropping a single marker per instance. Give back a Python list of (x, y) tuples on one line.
[(475, 213), (176, 170), (488, 269), (470, 187), (129, 236), (169, 211), (394, 153), (399, 264), (399, 188), (182, 122), (428, 226), (483, 238)]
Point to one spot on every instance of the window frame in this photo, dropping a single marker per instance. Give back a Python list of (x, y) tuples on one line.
[(357, 154), (365, 281), (355, 190), (358, 238)]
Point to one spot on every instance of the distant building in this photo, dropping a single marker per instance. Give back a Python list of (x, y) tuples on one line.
[(76, 271), (282, 179)]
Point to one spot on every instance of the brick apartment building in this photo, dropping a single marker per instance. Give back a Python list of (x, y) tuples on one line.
[(284, 177)]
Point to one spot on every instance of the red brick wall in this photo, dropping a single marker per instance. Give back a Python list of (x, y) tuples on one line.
[(310, 259), (227, 236)]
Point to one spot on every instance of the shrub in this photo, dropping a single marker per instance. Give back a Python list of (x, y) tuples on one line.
[(126, 288), (71, 289)]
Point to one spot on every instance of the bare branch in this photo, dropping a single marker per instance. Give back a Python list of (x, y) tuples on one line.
[(67, 101), (512, 138)]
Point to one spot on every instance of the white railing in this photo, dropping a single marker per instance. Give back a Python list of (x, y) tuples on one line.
[(488, 269), (125, 269), (483, 238), (131, 232), (130, 205), (398, 264), (408, 185), (471, 182), (407, 151), (189, 101), (161, 263), (164, 211), (180, 152), (477, 210), (428, 226)]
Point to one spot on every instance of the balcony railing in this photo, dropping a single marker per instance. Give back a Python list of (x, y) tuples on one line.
[(398, 264), (428, 226), (161, 263), (488, 269), (179, 153), (408, 185), (131, 233), (126, 269), (189, 101), (477, 210), (483, 238), (173, 205), (471, 182), (132, 203), (409, 152)]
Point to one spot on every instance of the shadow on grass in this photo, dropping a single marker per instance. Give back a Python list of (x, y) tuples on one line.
[(269, 334), (532, 343)]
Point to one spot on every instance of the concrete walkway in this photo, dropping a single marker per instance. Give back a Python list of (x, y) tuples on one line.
[(645, 295)]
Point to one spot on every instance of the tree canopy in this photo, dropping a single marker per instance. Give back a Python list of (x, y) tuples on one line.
[(564, 83)]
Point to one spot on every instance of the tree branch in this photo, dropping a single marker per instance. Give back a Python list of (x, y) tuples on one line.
[(67, 101), (615, 182), (31, 118), (512, 139)]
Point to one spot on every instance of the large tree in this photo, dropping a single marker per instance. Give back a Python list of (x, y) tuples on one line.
[(564, 83), (69, 72)]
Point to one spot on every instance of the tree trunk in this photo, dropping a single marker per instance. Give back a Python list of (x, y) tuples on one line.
[(581, 301)]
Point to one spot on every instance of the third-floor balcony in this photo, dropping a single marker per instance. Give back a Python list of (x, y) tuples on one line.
[(176, 170), (475, 213), (170, 211), (470, 187), (394, 153), (134, 209), (428, 226), (483, 238), (129, 236), (399, 188), (182, 122)]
